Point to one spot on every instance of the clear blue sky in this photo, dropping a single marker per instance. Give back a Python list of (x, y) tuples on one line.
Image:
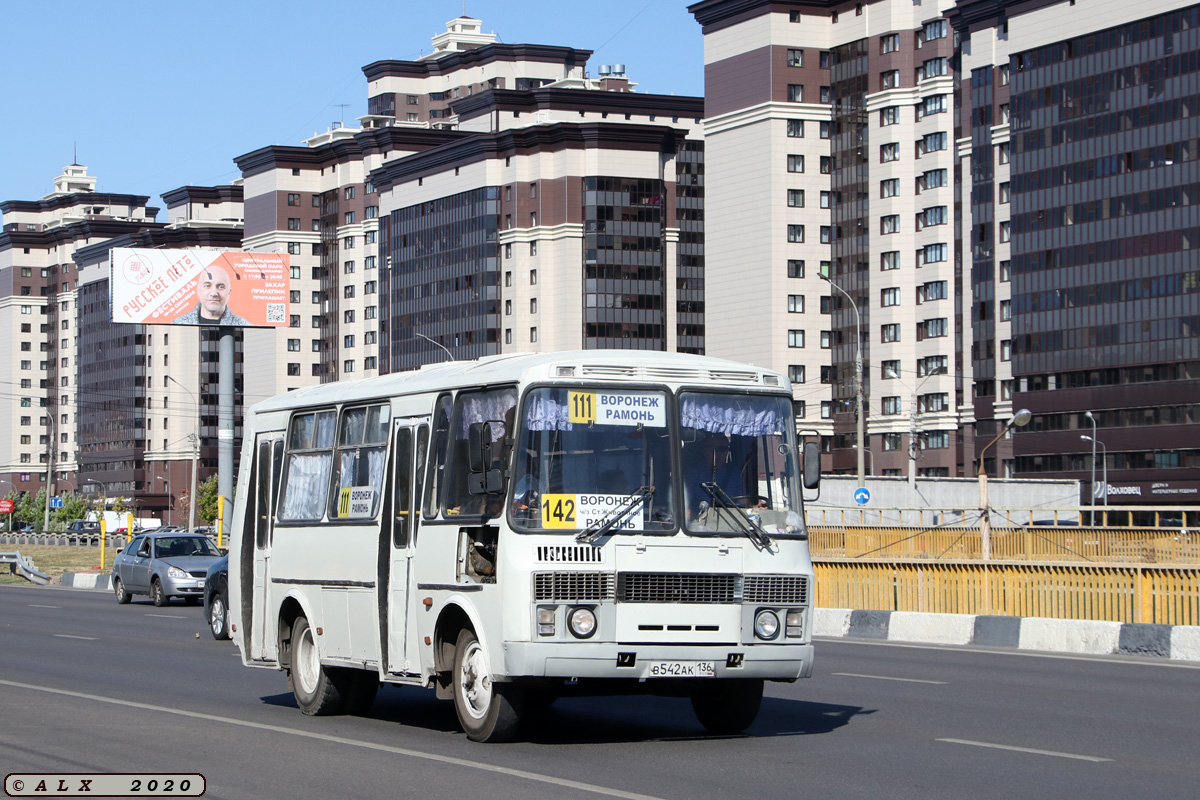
[(166, 94)]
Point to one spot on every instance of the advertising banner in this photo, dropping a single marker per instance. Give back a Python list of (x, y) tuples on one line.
[(199, 287)]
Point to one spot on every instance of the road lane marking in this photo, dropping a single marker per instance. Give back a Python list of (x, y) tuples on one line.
[(69, 636), (887, 678), (35, 605), (1054, 753), (402, 751), (167, 616), (1110, 658)]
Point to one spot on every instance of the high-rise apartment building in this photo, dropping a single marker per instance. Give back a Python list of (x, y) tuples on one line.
[(1004, 212)]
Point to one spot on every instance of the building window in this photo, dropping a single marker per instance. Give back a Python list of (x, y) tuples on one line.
[(826, 95), (369, 262), (1004, 75), (890, 406), (795, 163), (1005, 192), (933, 290), (294, 321), (889, 79), (349, 193), (348, 340), (293, 223), (823, 131), (293, 199), (533, 334), (348, 242), (889, 116), (828, 373), (889, 260), (795, 93), (348, 316), (294, 296), (795, 303), (533, 277), (932, 68), (889, 297), (795, 58), (315, 249), (826, 234), (931, 329), (931, 142), (826, 199), (508, 335), (795, 198), (370, 337), (1004, 151), (934, 104), (889, 43), (826, 340), (349, 218), (507, 308), (795, 338), (933, 30), (348, 366), (796, 373), (1006, 350), (889, 370), (1005, 231), (795, 268), (533, 248), (793, 16), (533, 305), (370, 362), (1005, 310), (370, 287), (889, 333), (371, 312), (826, 409), (795, 233), (934, 215), (348, 291), (932, 254), (932, 403), (889, 187), (293, 345), (348, 268), (889, 152), (371, 212), (889, 224), (293, 248), (932, 179), (795, 128), (826, 165), (935, 440), (1005, 271)]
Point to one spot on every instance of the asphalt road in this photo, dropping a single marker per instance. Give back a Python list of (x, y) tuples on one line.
[(90, 686)]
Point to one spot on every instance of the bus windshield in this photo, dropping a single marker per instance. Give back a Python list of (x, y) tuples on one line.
[(583, 453), (739, 463)]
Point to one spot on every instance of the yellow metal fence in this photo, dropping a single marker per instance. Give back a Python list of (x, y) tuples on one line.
[(1119, 593)]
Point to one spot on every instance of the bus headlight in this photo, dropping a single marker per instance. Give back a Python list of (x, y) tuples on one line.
[(766, 624), (795, 623), (545, 620), (581, 622)]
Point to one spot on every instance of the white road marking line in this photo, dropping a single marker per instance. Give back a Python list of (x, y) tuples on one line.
[(402, 751), (35, 605), (1026, 750), (69, 636), (167, 616), (887, 678), (1113, 658)]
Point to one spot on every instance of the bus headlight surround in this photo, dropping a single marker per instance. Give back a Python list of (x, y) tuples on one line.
[(766, 624), (581, 622)]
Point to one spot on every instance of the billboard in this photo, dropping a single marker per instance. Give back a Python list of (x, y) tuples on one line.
[(199, 287)]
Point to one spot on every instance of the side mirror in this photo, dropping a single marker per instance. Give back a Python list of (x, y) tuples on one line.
[(482, 479), (811, 475)]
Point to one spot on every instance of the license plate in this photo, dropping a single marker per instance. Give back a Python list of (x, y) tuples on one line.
[(200, 583), (680, 669)]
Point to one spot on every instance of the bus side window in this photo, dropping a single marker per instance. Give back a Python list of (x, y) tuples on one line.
[(402, 504), (437, 456), (418, 475)]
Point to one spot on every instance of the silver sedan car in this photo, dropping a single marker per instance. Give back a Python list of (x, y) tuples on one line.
[(163, 565)]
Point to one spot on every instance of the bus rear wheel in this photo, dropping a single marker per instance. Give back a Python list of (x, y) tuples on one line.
[(314, 686), (728, 706), (488, 711)]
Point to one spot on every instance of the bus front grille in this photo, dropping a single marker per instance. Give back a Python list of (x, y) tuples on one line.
[(675, 587), (782, 589), (572, 587)]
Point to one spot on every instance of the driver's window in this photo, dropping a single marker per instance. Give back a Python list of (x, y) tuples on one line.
[(144, 550)]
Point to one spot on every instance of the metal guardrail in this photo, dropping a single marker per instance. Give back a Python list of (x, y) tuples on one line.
[(81, 539), (24, 567)]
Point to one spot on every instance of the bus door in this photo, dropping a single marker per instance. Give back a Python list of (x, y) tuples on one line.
[(399, 532), (268, 461)]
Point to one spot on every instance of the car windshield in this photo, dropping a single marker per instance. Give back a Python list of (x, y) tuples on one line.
[(583, 453), (738, 456), (179, 546)]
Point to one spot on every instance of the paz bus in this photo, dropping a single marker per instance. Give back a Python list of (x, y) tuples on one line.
[(510, 530)]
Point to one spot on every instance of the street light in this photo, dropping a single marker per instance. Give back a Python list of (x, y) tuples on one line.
[(858, 378), (195, 437), (912, 421), (1092, 485), (1019, 420), (1104, 464), (871, 456)]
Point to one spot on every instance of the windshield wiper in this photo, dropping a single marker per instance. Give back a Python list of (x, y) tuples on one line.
[(739, 516), (606, 523)]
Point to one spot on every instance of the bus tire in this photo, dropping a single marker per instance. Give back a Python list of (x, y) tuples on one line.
[(315, 688), (728, 706), (488, 711)]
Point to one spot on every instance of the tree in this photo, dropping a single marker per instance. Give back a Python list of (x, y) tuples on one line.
[(74, 507), (206, 496), (32, 508)]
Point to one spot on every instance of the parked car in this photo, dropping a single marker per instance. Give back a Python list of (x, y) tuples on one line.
[(216, 598), (163, 565)]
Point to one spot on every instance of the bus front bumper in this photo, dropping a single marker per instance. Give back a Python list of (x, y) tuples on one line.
[(650, 661)]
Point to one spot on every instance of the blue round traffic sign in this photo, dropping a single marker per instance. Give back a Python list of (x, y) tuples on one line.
[(862, 496)]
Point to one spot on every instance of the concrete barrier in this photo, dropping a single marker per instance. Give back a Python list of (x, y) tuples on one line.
[(1176, 642)]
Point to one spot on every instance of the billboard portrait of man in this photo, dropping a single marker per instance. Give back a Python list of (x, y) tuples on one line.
[(212, 300)]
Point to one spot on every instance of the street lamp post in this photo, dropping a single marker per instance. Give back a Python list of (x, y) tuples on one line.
[(1092, 486), (1104, 465), (195, 438), (1020, 420), (912, 423), (858, 381)]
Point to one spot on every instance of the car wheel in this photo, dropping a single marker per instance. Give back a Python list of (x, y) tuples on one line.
[(123, 596), (316, 689), (488, 711), (157, 594), (218, 617)]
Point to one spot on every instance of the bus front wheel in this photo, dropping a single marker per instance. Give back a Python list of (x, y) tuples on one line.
[(488, 711), (728, 706), (316, 691)]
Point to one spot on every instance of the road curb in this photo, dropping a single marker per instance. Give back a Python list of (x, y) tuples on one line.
[(88, 580), (1091, 637)]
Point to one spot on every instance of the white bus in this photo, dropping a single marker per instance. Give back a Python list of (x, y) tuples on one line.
[(520, 527)]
